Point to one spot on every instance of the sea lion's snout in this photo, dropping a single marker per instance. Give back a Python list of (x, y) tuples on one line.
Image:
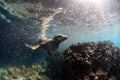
[(65, 37)]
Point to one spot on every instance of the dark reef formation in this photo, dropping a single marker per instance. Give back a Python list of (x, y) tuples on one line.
[(92, 60)]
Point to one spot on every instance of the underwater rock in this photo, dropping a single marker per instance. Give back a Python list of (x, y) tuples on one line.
[(91, 59)]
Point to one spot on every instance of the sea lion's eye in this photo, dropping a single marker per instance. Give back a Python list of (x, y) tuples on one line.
[(59, 38)]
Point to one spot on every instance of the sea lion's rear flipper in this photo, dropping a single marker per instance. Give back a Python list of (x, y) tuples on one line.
[(33, 47)]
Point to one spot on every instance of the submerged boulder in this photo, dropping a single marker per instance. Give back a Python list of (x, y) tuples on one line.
[(91, 60)]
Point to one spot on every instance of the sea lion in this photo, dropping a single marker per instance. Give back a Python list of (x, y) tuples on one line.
[(48, 44)]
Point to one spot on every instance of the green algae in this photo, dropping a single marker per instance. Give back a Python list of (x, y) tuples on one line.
[(20, 9)]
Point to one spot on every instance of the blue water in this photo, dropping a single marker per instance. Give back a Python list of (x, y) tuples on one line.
[(87, 34)]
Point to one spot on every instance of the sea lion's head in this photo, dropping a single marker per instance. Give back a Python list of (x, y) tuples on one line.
[(60, 38)]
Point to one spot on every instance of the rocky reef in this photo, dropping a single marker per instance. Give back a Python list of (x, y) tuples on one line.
[(92, 61)]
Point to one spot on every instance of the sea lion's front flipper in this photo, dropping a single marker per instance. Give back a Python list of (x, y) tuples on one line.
[(33, 47)]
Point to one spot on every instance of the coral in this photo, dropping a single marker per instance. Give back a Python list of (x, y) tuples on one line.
[(24, 73), (92, 60)]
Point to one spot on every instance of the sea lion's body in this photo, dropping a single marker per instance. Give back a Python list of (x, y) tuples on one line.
[(50, 45)]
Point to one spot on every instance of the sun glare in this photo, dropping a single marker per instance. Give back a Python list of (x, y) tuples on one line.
[(97, 2)]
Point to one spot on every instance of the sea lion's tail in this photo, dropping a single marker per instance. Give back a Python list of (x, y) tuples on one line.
[(33, 47)]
